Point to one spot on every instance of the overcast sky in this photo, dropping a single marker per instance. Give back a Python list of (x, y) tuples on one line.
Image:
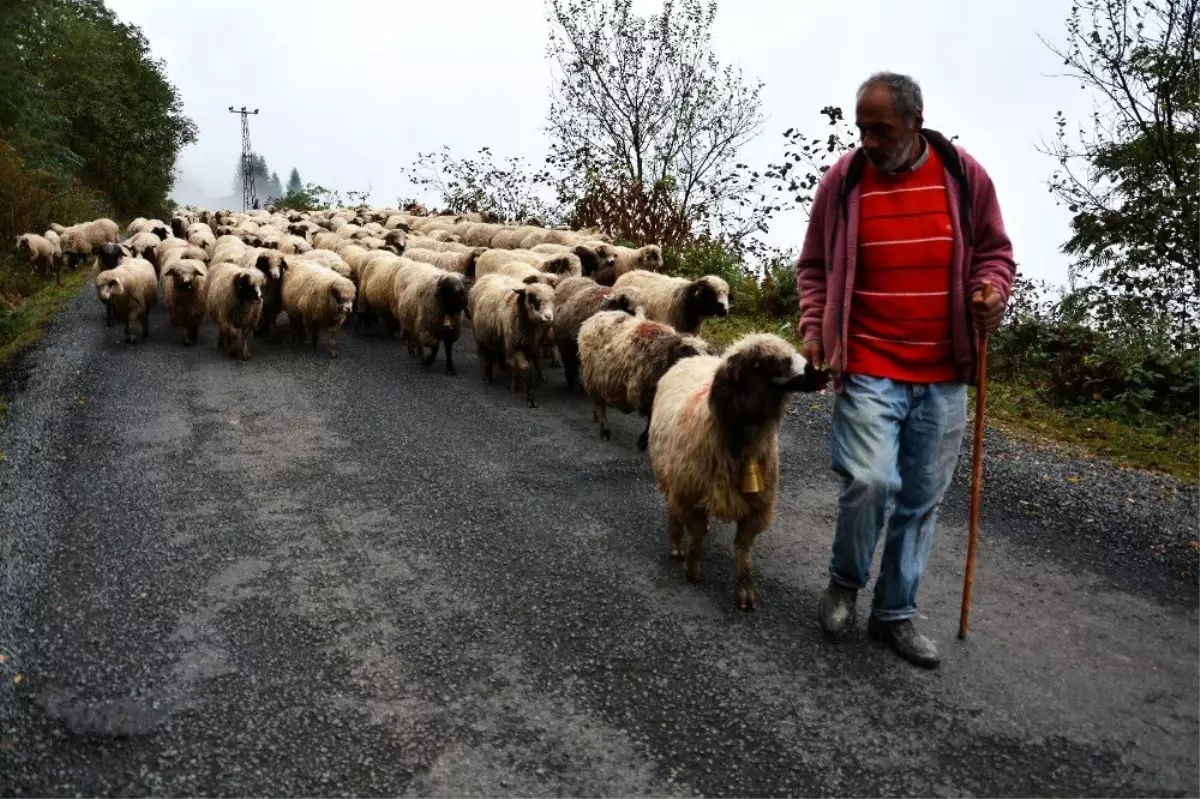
[(350, 91)]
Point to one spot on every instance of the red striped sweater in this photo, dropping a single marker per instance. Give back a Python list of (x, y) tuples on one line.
[(900, 312)]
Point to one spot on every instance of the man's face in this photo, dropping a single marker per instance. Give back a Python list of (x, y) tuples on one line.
[(888, 141)]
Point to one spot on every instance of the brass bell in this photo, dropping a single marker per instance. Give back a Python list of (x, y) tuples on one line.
[(751, 479), (448, 321)]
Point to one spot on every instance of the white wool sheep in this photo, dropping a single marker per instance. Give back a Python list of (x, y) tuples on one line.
[(37, 250), (166, 246), (201, 235), (294, 245), (596, 258), (57, 228), (511, 321), (494, 260), (713, 419), (525, 273), (509, 238), (184, 287), (461, 262), (156, 226), (314, 298), (544, 236), (52, 237), (235, 303), (648, 259), (429, 304), (327, 240), (229, 249), (129, 291), (179, 253), (479, 234), (621, 359), (329, 260), (576, 300), (145, 245), (376, 291), (683, 304), (423, 243), (397, 222), (83, 241)]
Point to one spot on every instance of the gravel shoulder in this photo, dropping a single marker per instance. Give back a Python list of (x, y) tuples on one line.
[(298, 576)]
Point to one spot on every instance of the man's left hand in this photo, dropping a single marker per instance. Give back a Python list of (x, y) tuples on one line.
[(988, 313)]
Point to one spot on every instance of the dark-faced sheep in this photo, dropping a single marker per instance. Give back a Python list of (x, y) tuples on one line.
[(511, 321), (683, 304), (315, 299), (429, 304), (83, 241), (185, 293), (272, 264), (576, 300), (621, 359), (130, 291), (716, 419), (234, 301)]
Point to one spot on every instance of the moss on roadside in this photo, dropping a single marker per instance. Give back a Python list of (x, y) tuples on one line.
[(22, 324)]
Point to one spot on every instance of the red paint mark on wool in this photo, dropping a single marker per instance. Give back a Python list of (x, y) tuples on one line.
[(695, 400), (649, 330)]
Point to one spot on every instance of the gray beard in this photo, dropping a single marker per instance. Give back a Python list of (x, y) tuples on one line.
[(903, 157)]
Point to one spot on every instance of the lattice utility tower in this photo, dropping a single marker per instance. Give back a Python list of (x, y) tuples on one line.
[(249, 193)]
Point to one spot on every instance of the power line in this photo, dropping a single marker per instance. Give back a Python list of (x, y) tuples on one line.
[(249, 192)]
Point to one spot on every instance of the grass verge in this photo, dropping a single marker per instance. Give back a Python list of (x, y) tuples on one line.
[(22, 324), (1151, 444)]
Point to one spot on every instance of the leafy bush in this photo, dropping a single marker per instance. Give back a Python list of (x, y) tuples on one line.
[(1049, 343)]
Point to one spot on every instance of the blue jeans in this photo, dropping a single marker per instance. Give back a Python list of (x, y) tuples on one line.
[(894, 444)]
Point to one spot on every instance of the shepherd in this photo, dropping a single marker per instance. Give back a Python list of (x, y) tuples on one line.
[(905, 230)]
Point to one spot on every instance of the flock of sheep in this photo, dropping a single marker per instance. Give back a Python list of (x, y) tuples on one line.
[(627, 333)]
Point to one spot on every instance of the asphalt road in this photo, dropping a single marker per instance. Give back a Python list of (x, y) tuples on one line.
[(305, 577)]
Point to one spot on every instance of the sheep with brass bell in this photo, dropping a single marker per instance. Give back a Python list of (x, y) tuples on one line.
[(714, 444)]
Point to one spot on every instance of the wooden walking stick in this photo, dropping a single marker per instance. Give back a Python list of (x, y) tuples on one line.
[(976, 476)]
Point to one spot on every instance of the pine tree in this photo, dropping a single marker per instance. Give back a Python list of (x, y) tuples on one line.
[(294, 183)]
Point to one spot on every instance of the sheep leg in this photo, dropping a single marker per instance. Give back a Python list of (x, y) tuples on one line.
[(193, 334), (110, 316), (675, 531), (450, 370), (747, 530), (697, 525), (314, 332), (146, 325), (390, 324), (130, 336), (333, 342), (488, 362), (297, 325), (600, 414), (244, 349), (427, 360), (643, 441)]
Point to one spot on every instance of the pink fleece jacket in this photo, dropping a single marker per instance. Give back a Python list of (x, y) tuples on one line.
[(825, 270)]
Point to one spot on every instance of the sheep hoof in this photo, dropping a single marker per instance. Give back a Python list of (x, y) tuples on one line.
[(691, 571), (605, 434), (643, 442), (676, 552), (428, 361), (451, 371), (746, 598)]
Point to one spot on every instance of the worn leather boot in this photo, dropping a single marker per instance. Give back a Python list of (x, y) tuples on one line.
[(836, 611), (905, 641)]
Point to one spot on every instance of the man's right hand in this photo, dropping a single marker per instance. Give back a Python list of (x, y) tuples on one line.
[(814, 353)]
